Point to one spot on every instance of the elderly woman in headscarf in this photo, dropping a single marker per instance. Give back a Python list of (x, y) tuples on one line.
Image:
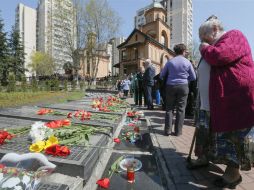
[(226, 79)]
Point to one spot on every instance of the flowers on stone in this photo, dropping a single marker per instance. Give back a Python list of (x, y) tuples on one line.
[(39, 132), (82, 114), (42, 145), (131, 124), (135, 114), (5, 135), (44, 111), (57, 150), (69, 115), (97, 103), (117, 140), (51, 141), (58, 123), (104, 109), (37, 147), (104, 183)]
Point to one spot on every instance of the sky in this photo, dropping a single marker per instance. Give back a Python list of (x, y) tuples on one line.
[(234, 14)]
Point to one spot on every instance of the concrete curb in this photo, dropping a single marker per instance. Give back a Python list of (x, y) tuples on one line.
[(167, 176), (104, 158)]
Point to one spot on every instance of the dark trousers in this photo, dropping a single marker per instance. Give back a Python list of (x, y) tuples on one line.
[(139, 94), (176, 97), (149, 98), (125, 92)]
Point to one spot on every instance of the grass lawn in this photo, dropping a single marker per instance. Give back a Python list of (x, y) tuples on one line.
[(15, 99)]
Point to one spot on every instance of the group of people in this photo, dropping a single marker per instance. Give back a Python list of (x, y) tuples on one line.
[(141, 84), (225, 100)]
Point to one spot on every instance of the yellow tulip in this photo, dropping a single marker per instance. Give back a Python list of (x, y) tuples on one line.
[(37, 147), (51, 141)]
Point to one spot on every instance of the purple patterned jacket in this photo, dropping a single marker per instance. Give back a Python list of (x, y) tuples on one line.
[(231, 87)]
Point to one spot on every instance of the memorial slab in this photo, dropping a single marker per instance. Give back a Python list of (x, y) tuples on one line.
[(148, 177)]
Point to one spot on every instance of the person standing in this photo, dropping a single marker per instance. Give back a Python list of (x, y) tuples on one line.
[(126, 86), (231, 100), (149, 82), (178, 72), (139, 90)]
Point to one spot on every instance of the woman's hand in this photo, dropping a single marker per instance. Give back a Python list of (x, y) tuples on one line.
[(203, 44)]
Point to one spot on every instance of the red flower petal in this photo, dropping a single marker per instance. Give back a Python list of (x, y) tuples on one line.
[(53, 150), (136, 129), (2, 166), (65, 122), (104, 183), (69, 115), (117, 140), (64, 151), (131, 125)]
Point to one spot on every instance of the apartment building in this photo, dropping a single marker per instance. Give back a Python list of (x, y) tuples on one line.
[(26, 25), (56, 30)]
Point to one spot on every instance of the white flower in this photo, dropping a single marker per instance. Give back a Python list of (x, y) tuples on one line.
[(40, 132)]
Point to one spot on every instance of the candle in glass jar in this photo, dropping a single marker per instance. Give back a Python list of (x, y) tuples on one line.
[(130, 174)]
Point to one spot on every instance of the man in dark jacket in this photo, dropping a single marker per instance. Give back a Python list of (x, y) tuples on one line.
[(149, 82), (139, 90)]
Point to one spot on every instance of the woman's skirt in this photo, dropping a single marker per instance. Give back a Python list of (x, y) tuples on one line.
[(235, 148)]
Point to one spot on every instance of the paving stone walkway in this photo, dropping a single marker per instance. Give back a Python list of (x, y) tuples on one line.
[(174, 151)]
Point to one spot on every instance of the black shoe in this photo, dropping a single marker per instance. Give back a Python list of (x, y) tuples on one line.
[(197, 165), (220, 182)]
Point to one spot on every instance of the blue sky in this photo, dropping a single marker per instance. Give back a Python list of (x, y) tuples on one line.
[(235, 14)]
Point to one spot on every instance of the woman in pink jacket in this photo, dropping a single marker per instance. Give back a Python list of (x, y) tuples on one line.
[(231, 99)]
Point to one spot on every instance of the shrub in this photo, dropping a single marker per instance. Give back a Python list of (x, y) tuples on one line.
[(73, 85), (23, 83), (11, 83), (34, 84), (65, 85), (81, 84)]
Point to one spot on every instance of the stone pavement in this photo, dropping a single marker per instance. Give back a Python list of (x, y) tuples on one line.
[(173, 151)]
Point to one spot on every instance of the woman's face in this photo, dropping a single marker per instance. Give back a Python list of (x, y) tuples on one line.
[(211, 37), (207, 38)]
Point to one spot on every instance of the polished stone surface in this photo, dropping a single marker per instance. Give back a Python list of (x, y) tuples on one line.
[(147, 178), (143, 144)]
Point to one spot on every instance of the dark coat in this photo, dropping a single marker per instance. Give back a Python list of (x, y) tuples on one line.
[(148, 76)]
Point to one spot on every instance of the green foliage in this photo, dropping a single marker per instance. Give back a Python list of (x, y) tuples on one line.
[(65, 85), (11, 83), (42, 64), (48, 85), (34, 84), (13, 99), (99, 27), (73, 85), (81, 84), (55, 84), (23, 83), (115, 167), (4, 55), (17, 55)]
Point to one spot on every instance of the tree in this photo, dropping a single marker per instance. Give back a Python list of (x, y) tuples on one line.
[(17, 59), (194, 53), (102, 21), (42, 64), (4, 55)]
